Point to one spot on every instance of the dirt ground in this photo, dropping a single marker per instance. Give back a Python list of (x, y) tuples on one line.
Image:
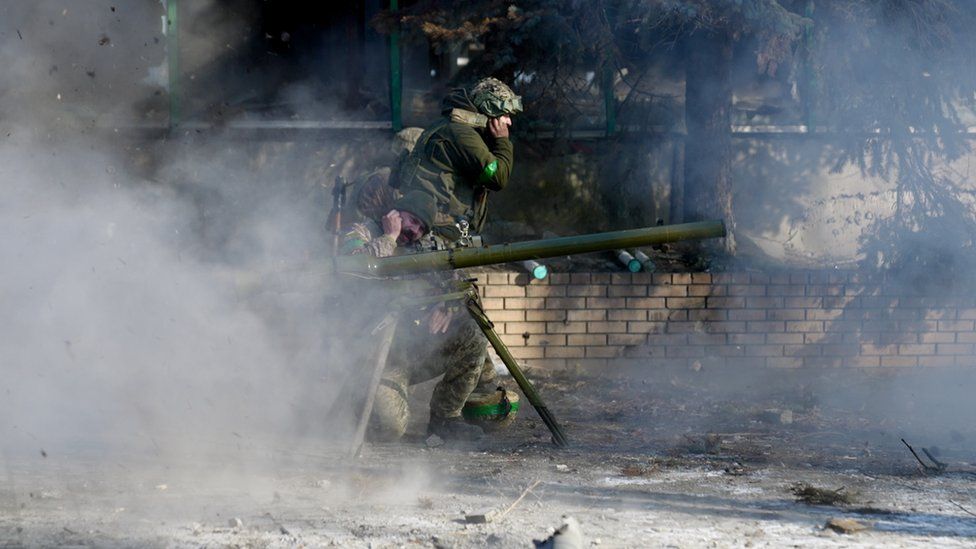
[(678, 459)]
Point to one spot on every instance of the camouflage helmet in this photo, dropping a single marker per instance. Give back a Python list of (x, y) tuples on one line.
[(493, 98)]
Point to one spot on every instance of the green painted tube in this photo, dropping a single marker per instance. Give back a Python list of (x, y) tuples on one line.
[(460, 258)]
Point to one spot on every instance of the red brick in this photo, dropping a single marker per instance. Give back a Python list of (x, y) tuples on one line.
[(584, 290), (645, 303), (916, 349), (646, 327), (745, 314), (763, 350), (605, 303), (747, 339), (600, 278), (784, 362), (667, 291), (586, 339), (802, 350), (805, 326), (936, 361), (547, 340), (559, 278), (708, 314), (631, 290), (566, 327), (824, 314), (626, 339), (565, 303), (512, 340), (862, 361), (522, 353), (810, 338), (543, 315), (726, 302), (724, 327), (606, 327), (667, 339), (832, 302), (515, 315), (942, 337), (899, 361), (681, 278), (546, 363), (627, 314), (586, 314), (700, 290), (764, 302), (963, 337), (604, 351), (621, 278), (736, 290), (497, 278), (954, 349), (701, 278), (841, 350), (565, 352), (685, 351), (685, 302), (641, 278), (785, 291), (725, 350), (525, 327), (793, 339), (955, 325), (683, 327), (579, 278), (673, 315), (846, 326), (661, 278), (803, 302), (765, 326), (504, 291), (822, 362), (545, 291), (525, 302), (706, 339), (966, 314), (759, 278), (868, 349), (490, 304), (786, 314)]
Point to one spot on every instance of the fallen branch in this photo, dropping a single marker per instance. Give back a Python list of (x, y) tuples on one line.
[(926, 467), (520, 498), (964, 510), (941, 466)]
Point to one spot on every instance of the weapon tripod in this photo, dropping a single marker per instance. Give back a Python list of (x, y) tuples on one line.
[(467, 293)]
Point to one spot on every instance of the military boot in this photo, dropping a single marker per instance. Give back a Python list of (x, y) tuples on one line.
[(454, 428)]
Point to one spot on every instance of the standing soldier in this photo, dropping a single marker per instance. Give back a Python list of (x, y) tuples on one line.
[(465, 155)]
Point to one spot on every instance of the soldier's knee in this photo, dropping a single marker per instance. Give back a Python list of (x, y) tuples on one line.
[(390, 415)]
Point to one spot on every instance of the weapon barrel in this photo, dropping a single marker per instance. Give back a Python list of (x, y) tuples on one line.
[(460, 258)]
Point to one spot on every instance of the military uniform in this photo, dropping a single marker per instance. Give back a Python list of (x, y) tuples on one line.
[(417, 356), (457, 161)]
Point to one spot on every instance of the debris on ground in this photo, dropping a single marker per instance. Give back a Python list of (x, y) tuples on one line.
[(567, 536), (481, 517), (235, 522), (819, 496), (845, 525), (434, 441)]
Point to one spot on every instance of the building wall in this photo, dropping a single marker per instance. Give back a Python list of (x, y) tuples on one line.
[(783, 320)]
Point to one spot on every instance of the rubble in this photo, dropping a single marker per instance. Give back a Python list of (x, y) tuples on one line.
[(845, 525)]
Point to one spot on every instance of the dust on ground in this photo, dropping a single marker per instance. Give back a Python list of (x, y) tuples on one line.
[(675, 459)]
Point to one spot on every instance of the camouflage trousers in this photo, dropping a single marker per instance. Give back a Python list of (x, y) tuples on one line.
[(460, 356)]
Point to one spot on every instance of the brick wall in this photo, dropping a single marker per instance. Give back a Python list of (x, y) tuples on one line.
[(777, 320)]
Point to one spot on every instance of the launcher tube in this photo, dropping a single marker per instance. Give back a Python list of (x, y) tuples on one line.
[(460, 258)]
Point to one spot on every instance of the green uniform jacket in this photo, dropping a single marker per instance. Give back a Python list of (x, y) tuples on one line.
[(458, 162)]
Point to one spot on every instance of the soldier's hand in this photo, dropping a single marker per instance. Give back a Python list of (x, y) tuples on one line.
[(392, 223), (498, 127), (440, 320)]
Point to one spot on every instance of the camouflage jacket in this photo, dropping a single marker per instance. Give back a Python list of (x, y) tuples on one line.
[(458, 162), (367, 238)]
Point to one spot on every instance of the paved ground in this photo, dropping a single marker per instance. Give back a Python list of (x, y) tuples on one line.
[(643, 471)]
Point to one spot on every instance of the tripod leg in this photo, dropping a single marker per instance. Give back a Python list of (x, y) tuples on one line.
[(387, 327), (474, 308)]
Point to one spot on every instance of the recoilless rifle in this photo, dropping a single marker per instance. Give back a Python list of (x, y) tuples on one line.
[(400, 266)]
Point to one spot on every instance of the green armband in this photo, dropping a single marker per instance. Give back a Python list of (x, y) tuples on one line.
[(489, 172)]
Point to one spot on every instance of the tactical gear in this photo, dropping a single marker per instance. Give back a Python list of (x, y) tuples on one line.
[(492, 410), (493, 98), (405, 140), (419, 204), (457, 163), (454, 428)]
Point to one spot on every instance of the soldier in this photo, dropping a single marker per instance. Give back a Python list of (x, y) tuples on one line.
[(373, 193), (465, 155), (428, 343)]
